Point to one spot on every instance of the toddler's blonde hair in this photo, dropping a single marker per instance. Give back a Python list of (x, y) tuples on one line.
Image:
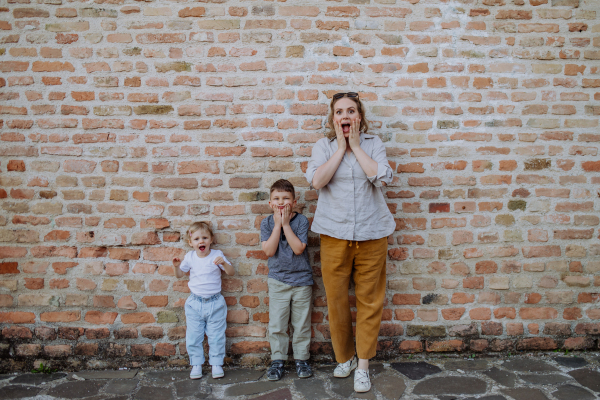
[(196, 226)]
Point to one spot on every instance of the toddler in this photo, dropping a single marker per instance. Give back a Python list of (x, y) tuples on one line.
[(205, 308)]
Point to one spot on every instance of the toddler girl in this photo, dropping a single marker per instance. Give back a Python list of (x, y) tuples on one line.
[(205, 308)]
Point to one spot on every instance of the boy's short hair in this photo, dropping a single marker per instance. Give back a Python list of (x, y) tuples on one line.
[(283, 185), (196, 226)]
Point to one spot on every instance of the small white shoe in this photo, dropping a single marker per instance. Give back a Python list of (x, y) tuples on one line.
[(196, 372), (344, 369), (362, 383), (217, 372)]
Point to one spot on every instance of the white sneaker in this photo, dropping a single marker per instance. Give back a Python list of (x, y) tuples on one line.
[(217, 372), (196, 372), (343, 370), (362, 383)]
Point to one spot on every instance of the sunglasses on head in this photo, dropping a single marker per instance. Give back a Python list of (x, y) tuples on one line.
[(344, 94)]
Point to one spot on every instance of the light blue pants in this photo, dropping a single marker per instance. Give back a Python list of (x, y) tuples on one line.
[(205, 315)]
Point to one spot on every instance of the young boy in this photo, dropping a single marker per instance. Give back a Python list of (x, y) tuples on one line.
[(284, 236)]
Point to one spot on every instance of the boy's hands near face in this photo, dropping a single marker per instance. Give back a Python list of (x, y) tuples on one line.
[(286, 215), (276, 215)]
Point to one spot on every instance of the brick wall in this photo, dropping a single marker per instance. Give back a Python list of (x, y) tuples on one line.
[(123, 121)]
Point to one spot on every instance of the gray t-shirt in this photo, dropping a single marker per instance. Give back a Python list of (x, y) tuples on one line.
[(285, 266)]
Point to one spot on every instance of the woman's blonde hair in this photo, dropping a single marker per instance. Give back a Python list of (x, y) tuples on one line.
[(364, 124), (196, 226)]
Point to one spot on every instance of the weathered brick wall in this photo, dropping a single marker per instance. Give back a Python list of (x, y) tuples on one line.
[(123, 121)]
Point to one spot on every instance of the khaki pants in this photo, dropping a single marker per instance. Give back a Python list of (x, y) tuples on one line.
[(283, 301), (365, 263)]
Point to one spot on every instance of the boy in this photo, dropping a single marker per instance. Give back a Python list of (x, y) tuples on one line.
[(284, 236)]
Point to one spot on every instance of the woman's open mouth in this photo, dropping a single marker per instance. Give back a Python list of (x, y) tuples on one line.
[(202, 248), (346, 128)]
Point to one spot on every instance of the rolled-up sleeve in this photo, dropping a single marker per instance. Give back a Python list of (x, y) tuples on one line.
[(384, 171), (317, 158)]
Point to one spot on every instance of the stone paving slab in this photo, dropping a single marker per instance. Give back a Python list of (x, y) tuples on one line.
[(545, 379), (252, 388), (18, 391), (390, 386), (571, 392), (313, 389), (466, 365), (282, 394), (588, 378), (416, 370), (153, 393), (528, 365), (121, 386), (166, 377), (343, 387), (108, 374), (76, 390), (525, 394), (37, 379), (450, 385), (571, 362), (192, 388), (504, 378)]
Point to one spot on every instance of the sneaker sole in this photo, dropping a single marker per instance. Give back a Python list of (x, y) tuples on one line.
[(195, 376), (362, 391), (218, 376)]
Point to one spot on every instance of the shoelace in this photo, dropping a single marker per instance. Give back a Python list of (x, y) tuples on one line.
[(363, 378)]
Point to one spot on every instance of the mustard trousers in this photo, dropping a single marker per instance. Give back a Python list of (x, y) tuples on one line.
[(365, 262)]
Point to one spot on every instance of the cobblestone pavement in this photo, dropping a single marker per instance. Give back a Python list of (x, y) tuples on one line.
[(538, 376)]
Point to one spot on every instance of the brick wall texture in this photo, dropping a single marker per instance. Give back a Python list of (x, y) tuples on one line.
[(123, 121)]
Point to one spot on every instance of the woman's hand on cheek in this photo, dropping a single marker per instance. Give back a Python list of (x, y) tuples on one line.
[(339, 133), (354, 137)]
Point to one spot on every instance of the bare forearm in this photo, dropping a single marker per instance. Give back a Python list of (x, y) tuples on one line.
[(270, 245), (368, 165), (325, 172), (178, 273), (295, 243), (229, 270)]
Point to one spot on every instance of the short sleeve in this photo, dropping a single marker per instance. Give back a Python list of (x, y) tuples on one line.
[(317, 158), (186, 264), (302, 229), (384, 171), (265, 229)]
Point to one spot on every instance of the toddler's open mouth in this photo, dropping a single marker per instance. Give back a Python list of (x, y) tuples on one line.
[(202, 248)]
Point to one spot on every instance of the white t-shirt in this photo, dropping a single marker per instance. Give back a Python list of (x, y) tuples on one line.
[(205, 275)]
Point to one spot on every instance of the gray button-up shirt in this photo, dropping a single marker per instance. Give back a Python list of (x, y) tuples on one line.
[(351, 206)]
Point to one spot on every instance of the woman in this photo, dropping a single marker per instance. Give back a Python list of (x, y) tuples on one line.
[(349, 168)]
